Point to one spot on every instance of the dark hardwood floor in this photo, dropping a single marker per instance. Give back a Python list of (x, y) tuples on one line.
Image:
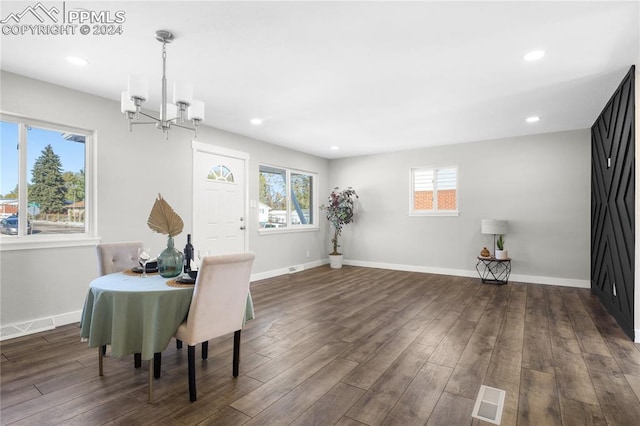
[(350, 347)]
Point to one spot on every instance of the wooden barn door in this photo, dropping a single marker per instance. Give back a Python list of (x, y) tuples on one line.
[(612, 204)]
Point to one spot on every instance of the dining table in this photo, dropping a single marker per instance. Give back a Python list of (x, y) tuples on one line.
[(136, 314)]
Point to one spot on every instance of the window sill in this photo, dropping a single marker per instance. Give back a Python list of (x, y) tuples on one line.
[(444, 213), (55, 241), (273, 231)]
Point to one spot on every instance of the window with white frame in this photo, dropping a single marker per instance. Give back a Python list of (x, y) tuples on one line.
[(434, 191), (287, 199), (45, 190)]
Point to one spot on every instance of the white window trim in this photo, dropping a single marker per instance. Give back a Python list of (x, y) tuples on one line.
[(422, 213), (316, 210), (90, 236)]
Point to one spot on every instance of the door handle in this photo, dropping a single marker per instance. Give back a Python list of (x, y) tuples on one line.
[(242, 228)]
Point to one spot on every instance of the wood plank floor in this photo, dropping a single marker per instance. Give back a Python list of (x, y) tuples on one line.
[(355, 346)]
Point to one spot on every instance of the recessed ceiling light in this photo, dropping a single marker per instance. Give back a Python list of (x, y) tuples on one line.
[(334, 148), (256, 121), (533, 119), (77, 60), (534, 55)]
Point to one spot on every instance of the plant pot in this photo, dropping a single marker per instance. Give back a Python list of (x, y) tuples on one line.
[(502, 254), (335, 261)]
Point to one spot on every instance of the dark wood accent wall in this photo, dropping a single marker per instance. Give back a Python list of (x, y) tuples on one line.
[(612, 204)]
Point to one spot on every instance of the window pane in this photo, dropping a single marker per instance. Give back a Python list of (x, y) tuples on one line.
[(9, 174), (301, 199), (447, 189), (56, 181), (447, 199), (273, 198), (220, 173), (423, 190)]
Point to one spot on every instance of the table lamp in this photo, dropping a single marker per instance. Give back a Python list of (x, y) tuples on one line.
[(495, 227)]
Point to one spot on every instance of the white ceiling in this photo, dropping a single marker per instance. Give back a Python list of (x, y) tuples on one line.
[(368, 77)]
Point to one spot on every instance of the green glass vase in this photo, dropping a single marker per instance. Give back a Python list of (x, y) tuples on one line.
[(170, 260)]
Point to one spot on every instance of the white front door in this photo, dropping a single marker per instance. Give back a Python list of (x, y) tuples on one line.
[(219, 200)]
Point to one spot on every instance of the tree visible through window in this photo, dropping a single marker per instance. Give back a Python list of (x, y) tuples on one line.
[(434, 190), (48, 196), (286, 198)]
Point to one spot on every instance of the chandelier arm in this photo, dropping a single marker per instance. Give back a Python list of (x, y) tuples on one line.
[(149, 116), (143, 122), (183, 127)]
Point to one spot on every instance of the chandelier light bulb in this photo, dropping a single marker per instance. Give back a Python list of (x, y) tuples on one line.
[(126, 104), (182, 92), (138, 87), (196, 111)]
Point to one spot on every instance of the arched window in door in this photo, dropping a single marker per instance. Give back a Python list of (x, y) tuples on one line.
[(221, 173)]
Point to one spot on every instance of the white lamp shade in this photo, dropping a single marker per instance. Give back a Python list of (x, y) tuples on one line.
[(126, 104), (493, 226), (182, 92), (196, 110), (138, 87), (172, 111)]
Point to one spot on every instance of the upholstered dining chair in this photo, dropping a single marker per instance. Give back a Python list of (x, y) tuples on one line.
[(217, 307), (117, 257)]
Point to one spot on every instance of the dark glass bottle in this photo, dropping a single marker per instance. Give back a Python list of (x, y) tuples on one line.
[(188, 254)]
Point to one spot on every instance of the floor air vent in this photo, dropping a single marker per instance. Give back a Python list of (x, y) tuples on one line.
[(489, 405), (30, 327)]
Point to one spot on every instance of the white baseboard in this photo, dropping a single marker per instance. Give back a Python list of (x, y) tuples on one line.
[(532, 279), (68, 318), (287, 270), (410, 268), (564, 282)]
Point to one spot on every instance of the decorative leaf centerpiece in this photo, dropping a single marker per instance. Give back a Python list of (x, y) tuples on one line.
[(163, 219)]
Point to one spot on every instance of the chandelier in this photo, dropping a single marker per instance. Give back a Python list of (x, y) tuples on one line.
[(171, 114)]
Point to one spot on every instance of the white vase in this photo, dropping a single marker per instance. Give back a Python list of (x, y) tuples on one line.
[(502, 254), (335, 261)]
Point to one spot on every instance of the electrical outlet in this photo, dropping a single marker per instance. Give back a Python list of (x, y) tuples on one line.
[(308, 253)]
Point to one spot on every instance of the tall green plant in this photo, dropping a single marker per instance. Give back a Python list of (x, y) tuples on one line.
[(339, 211), (48, 187)]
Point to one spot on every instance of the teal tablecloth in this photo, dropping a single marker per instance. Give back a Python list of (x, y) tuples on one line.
[(134, 314)]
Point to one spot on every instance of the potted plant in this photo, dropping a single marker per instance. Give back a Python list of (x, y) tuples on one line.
[(339, 211), (501, 253)]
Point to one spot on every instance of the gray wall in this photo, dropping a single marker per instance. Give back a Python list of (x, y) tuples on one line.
[(53, 282), (540, 184)]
